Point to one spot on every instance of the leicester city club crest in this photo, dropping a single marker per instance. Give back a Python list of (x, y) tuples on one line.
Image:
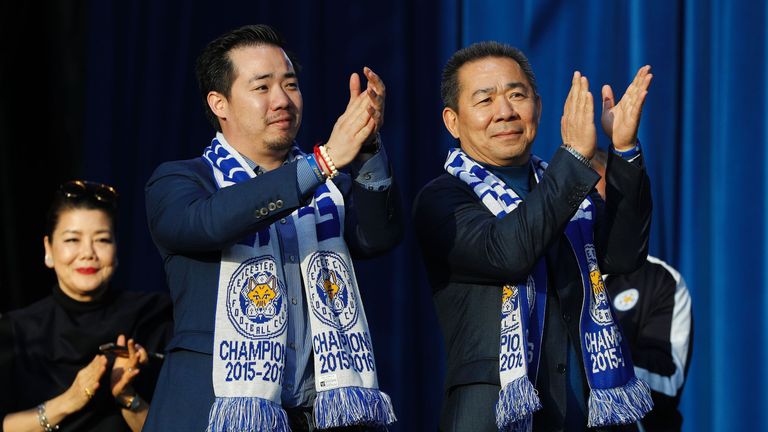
[(255, 299), (599, 307), (333, 301), (509, 300), (510, 303)]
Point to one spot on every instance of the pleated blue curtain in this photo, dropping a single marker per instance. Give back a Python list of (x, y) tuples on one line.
[(703, 134), (704, 138)]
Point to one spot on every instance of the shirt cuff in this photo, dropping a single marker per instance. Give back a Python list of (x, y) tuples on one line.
[(306, 178), (629, 155), (374, 173)]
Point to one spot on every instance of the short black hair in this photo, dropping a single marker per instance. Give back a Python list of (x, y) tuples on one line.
[(449, 85), (214, 69), (88, 199)]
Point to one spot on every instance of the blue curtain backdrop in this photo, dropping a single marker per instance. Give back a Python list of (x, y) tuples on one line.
[(703, 134)]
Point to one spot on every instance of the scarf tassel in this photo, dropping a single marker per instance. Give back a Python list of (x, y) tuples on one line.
[(620, 405), (347, 406), (231, 414), (517, 402)]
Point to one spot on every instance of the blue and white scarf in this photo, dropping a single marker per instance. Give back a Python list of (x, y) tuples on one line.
[(616, 395), (252, 314)]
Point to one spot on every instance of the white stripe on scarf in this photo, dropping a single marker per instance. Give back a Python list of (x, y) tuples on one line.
[(251, 318)]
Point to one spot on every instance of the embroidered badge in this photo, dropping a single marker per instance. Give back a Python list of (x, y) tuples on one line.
[(626, 300), (599, 309), (255, 297), (333, 301)]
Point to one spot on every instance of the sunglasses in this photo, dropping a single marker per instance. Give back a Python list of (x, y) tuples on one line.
[(78, 189)]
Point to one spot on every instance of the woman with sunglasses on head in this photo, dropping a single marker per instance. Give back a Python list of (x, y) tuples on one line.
[(59, 379)]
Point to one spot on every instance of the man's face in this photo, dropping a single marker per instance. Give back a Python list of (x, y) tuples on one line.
[(498, 112), (264, 107)]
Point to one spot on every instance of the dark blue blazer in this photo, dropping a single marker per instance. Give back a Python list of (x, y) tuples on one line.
[(191, 222)]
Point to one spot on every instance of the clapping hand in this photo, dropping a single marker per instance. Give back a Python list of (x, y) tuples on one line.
[(577, 125), (622, 120), (125, 369), (361, 120)]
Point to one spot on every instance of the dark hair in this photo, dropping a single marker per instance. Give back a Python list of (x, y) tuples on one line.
[(91, 196), (449, 85), (214, 68)]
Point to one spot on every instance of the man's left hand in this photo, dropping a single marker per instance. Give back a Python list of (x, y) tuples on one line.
[(621, 121), (377, 93)]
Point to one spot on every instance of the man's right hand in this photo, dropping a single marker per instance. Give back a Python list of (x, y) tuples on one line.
[(355, 125), (577, 125)]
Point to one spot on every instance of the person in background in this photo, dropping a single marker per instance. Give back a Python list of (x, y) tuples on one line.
[(653, 307), (57, 378)]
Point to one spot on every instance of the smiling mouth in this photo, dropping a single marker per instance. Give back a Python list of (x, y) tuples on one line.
[(283, 122), (507, 134), (87, 270)]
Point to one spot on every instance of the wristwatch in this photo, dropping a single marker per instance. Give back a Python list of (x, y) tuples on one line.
[(580, 157), (130, 403)]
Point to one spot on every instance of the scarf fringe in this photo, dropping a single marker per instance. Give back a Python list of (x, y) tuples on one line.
[(348, 406), (246, 414), (517, 402), (523, 425), (620, 405)]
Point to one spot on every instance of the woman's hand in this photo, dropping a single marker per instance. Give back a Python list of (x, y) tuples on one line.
[(125, 369), (85, 384)]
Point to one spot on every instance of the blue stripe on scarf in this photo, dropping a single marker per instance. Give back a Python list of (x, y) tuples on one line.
[(616, 395)]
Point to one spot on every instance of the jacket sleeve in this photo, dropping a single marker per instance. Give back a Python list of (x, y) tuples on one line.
[(461, 239), (187, 213), (662, 349), (374, 220), (622, 233)]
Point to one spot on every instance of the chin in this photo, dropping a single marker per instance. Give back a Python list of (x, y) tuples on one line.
[(281, 144)]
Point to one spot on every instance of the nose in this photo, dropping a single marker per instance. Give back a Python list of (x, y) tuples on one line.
[(280, 99), (87, 251), (505, 110)]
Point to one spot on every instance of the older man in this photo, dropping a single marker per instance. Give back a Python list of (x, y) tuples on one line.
[(514, 249), (257, 239)]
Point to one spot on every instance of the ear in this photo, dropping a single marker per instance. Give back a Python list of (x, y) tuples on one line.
[(538, 109), (451, 121), (48, 252), (218, 104)]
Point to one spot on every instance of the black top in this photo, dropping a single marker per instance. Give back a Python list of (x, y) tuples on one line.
[(43, 346), (653, 307)]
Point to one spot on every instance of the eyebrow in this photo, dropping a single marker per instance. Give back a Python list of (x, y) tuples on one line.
[(73, 231), (269, 75), (491, 90)]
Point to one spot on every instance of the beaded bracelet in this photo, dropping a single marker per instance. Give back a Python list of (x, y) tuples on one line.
[(43, 419), (319, 159), (326, 158)]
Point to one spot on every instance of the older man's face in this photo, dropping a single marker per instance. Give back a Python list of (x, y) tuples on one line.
[(498, 112)]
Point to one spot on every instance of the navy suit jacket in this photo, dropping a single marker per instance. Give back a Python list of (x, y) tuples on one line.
[(192, 221), (470, 254)]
